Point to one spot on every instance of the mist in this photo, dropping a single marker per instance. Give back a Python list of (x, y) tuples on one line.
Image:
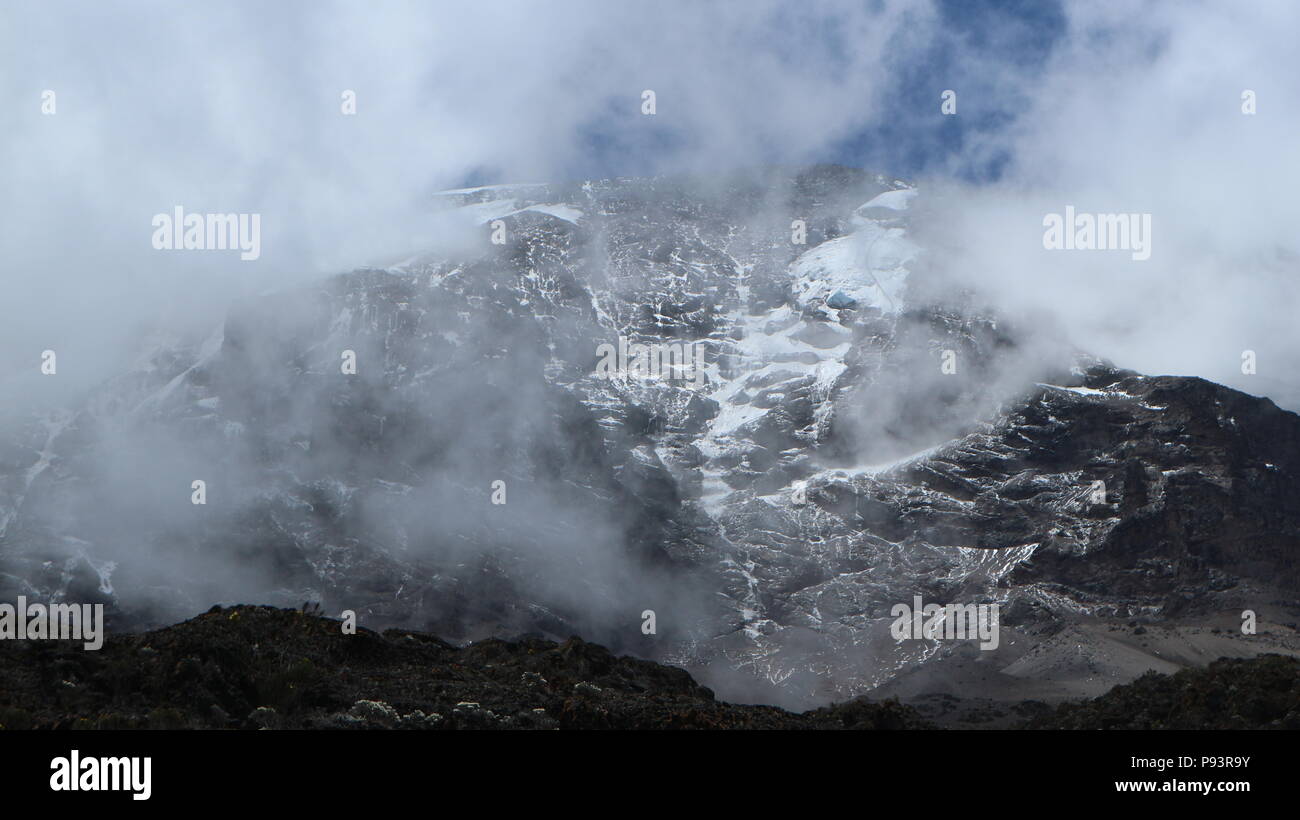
[(238, 109), (1143, 114)]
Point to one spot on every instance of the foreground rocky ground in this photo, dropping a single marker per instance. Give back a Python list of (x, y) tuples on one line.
[(252, 667), (1232, 693)]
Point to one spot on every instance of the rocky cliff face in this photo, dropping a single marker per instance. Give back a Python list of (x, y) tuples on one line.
[(859, 436)]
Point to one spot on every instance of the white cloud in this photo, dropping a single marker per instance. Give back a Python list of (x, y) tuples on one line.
[(1142, 113), (235, 107)]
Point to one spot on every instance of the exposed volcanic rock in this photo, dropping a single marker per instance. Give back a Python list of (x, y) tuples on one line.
[(1232, 693), (862, 436), (258, 667)]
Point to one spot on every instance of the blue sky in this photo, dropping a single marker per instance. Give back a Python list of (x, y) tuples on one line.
[(1017, 36), (969, 46)]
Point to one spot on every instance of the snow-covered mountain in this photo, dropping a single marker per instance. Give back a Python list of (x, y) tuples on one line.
[(863, 436)]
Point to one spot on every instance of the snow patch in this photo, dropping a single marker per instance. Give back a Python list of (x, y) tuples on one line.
[(892, 200), (565, 212), (869, 266)]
